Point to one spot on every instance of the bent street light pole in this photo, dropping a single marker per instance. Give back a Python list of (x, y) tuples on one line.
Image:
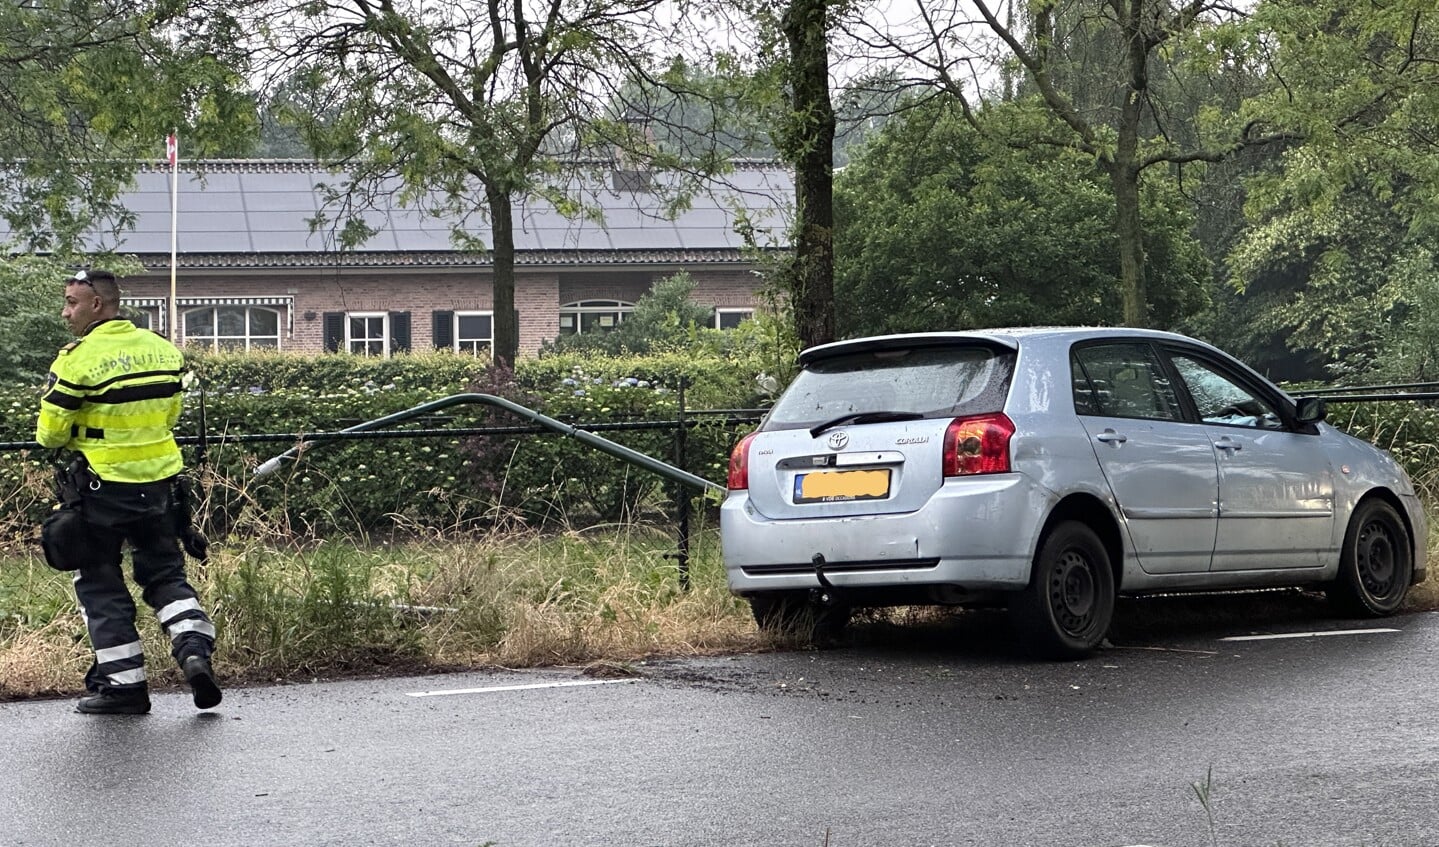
[(604, 445)]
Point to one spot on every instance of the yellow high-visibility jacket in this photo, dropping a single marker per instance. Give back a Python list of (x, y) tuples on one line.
[(115, 396)]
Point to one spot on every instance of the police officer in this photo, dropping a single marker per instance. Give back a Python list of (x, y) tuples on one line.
[(114, 396)]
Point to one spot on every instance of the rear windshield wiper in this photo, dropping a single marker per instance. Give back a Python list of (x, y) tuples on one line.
[(863, 418)]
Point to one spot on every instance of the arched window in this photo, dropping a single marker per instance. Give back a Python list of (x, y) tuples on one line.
[(585, 316), (233, 327)]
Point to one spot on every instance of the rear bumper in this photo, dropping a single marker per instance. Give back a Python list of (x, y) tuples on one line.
[(975, 534)]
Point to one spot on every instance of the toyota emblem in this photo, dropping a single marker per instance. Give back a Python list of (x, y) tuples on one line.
[(837, 440)]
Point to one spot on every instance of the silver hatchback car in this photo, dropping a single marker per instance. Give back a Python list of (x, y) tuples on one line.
[(1051, 470)]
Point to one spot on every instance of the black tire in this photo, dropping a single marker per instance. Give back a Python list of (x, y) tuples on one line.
[(793, 614), (1376, 563), (1065, 611)]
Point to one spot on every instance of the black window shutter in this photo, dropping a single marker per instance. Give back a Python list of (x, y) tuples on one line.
[(443, 329), (399, 332), (334, 331)]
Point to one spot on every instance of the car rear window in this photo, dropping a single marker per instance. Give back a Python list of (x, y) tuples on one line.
[(932, 381)]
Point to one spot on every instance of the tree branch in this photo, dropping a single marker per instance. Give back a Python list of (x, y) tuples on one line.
[(1057, 102)]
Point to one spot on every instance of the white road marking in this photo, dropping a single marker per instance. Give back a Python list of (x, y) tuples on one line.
[(514, 687), (1306, 634)]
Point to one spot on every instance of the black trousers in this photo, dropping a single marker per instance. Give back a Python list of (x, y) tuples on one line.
[(157, 565)]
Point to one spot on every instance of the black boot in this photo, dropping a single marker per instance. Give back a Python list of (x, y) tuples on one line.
[(201, 678), (115, 701)]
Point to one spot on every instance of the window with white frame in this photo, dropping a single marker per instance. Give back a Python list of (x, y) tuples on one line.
[(731, 318), (474, 332), (233, 327), (585, 316), (367, 333)]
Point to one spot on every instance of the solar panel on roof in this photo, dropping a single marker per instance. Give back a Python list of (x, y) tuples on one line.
[(243, 207)]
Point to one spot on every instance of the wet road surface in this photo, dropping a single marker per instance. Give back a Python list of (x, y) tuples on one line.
[(928, 734)]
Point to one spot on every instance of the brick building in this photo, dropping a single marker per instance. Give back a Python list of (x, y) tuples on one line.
[(252, 272)]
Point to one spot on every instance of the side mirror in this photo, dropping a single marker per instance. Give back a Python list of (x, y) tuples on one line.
[(1309, 410)]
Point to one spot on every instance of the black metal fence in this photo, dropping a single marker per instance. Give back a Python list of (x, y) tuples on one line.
[(1417, 391), (436, 425)]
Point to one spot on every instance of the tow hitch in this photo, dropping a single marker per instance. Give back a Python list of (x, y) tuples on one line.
[(826, 594)]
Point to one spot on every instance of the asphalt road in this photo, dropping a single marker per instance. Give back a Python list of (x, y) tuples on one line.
[(927, 735)]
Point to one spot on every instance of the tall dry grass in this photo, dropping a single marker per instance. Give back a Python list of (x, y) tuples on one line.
[(506, 599)]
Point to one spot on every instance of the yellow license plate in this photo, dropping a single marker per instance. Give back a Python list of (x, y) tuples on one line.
[(839, 486)]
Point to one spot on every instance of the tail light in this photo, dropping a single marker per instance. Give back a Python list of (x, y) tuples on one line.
[(738, 479), (975, 445)]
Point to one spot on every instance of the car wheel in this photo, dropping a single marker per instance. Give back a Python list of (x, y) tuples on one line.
[(1066, 609), (794, 614), (1375, 564)]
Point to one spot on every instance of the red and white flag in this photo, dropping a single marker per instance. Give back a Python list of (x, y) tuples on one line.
[(172, 149)]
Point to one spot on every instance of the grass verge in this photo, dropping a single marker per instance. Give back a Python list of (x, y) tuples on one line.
[(606, 595), (512, 600)]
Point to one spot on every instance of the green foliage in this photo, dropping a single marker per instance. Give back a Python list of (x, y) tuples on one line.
[(31, 331), (546, 479), (713, 380), (665, 317), (1340, 247), (324, 607), (261, 373), (91, 91), (1136, 88), (1351, 281), (943, 229), (1204, 792)]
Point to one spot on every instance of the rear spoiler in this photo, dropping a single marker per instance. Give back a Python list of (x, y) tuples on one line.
[(904, 342)]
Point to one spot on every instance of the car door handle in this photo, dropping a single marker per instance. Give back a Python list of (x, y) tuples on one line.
[(1227, 443), (1109, 436)]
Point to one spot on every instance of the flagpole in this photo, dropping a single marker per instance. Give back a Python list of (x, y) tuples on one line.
[(172, 150)]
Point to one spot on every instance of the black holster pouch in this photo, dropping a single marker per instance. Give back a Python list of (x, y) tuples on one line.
[(64, 536), (72, 480), (194, 543)]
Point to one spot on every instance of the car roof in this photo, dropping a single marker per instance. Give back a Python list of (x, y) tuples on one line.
[(1007, 337)]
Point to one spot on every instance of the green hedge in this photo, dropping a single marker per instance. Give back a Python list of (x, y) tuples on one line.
[(432, 483)]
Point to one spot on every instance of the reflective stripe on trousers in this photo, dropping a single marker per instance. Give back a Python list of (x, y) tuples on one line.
[(109, 611)]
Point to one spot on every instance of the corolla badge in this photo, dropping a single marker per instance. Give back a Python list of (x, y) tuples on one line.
[(837, 440)]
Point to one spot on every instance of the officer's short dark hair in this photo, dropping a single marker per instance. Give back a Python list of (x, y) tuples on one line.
[(102, 282)]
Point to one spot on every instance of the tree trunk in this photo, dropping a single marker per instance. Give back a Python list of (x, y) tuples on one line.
[(1124, 174), (502, 252), (809, 146), (1130, 233)]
